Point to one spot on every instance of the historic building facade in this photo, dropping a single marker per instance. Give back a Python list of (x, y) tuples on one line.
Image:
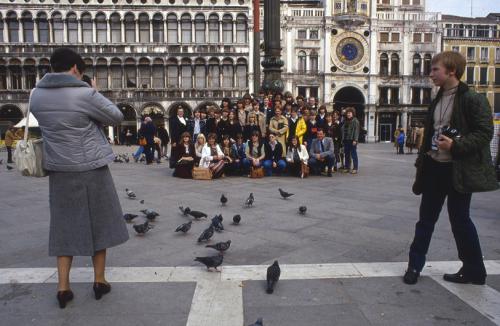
[(147, 56), (478, 39), (371, 54)]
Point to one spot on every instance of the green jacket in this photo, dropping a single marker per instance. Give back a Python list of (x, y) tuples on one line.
[(472, 169), (350, 129)]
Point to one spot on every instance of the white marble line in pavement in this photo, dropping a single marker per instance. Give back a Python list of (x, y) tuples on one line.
[(484, 299), (234, 273)]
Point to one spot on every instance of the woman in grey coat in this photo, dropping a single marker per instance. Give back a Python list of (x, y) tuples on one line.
[(85, 214)]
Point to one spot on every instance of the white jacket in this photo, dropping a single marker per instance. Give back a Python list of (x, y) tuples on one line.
[(206, 155), (303, 155)]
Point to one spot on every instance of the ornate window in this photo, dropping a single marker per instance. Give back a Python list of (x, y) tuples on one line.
[(172, 74), (158, 73), (158, 28), (213, 28), (241, 29), (143, 28), (172, 29), (86, 21), (199, 27), (43, 67), (116, 74), (28, 25), (241, 74), (384, 64), (130, 73), (29, 73), (186, 28), (43, 28), (116, 28), (186, 74), (227, 73), (394, 65), (314, 62), (227, 29), (302, 62), (427, 64), (101, 71), (417, 64), (72, 27), (213, 73), (101, 28), (13, 27), (15, 74), (200, 73), (144, 73), (57, 28), (129, 22)]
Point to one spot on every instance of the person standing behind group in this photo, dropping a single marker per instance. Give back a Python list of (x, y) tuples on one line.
[(260, 118), (333, 130), (321, 117), (268, 110), (148, 131), (250, 127), (350, 135), (234, 128), (85, 213), (279, 126), (178, 126), (197, 125)]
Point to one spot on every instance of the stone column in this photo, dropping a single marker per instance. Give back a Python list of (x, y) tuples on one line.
[(21, 34), (80, 38), (108, 32), (151, 32), (94, 31), (122, 32), (255, 45), (272, 62), (136, 25)]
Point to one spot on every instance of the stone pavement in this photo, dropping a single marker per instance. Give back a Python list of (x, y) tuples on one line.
[(343, 258)]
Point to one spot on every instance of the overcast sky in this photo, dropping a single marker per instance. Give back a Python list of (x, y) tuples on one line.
[(480, 8)]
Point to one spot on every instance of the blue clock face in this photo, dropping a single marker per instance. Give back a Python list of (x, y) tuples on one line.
[(350, 51)]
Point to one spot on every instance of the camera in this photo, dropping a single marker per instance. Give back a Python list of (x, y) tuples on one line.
[(450, 132)]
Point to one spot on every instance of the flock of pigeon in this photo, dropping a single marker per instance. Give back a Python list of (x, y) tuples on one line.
[(216, 225)]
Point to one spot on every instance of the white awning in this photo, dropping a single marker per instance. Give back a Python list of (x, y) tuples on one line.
[(33, 122)]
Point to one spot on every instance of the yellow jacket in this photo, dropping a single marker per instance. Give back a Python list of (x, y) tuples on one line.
[(9, 138), (300, 130)]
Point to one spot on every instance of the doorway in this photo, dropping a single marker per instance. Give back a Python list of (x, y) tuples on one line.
[(385, 132)]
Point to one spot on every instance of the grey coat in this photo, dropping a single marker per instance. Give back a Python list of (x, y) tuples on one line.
[(316, 148), (71, 115)]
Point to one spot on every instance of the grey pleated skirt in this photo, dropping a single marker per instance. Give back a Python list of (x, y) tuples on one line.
[(85, 213)]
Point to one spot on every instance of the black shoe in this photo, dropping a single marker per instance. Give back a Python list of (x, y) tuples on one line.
[(63, 297), (462, 279), (411, 276), (101, 289), (329, 173)]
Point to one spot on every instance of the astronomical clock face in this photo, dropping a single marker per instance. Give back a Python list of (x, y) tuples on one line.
[(349, 51)]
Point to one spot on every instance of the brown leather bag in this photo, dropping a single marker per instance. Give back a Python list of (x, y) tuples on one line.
[(202, 173), (304, 170), (256, 173)]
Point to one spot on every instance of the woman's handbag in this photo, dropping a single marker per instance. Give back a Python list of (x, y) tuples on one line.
[(202, 173), (29, 153), (304, 170), (256, 173), (143, 141)]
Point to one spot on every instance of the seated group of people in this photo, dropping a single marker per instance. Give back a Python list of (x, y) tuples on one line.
[(236, 157)]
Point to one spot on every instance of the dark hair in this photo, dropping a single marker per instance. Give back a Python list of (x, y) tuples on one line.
[(185, 134), (290, 145), (225, 137), (320, 129), (239, 136), (63, 59), (87, 79), (212, 136), (256, 133), (352, 110)]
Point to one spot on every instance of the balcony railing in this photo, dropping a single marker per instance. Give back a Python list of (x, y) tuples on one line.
[(410, 16)]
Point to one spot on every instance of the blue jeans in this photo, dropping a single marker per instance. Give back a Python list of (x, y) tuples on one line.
[(317, 166), (438, 186), (350, 150), (138, 153), (268, 167)]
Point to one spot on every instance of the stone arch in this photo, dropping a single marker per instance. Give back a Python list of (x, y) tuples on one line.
[(351, 95), (10, 114), (155, 111), (172, 109)]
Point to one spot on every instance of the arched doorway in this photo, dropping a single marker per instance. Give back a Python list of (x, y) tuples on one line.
[(129, 124), (350, 96), (154, 111), (9, 115)]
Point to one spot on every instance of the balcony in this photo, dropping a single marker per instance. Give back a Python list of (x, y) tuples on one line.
[(410, 16)]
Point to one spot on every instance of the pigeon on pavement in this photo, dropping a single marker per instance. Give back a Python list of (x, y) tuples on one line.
[(259, 322), (150, 214), (207, 234), (9, 167), (273, 276), (302, 210), (217, 223), (184, 227), (129, 217), (184, 211), (142, 228), (142, 201), (285, 194), (212, 261), (250, 200), (220, 246), (236, 219), (223, 200), (197, 214), (130, 193)]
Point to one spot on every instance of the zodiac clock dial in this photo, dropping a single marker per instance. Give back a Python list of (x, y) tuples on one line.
[(348, 51)]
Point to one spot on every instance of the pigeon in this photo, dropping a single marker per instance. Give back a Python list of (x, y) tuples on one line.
[(273, 276), (150, 214), (285, 194), (130, 193), (118, 159), (9, 167), (217, 223), (126, 158), (184, 211), (236, 219), (258, 323), (207, 234), (1, 162), (220, 246), (142, 228), (184, 227), (197, 214), (213, 261), (142, 201), (223, 200), (129, 217), (249, 201), (302, 210)]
